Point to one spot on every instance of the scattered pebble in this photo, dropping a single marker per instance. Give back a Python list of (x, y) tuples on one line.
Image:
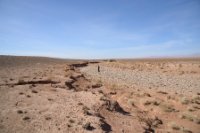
[(34, 91), (26, 118)]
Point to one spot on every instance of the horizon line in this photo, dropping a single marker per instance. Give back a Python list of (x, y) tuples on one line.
[(119, 58)]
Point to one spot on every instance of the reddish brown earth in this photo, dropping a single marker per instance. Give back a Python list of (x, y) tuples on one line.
[(131, 96)]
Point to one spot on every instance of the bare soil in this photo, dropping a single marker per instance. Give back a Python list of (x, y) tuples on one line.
[(40, 94)]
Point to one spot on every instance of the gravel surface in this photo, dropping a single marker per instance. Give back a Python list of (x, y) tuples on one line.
[(145, 79)]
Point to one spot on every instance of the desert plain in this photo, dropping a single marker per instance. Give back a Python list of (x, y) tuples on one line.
[(49, 95)]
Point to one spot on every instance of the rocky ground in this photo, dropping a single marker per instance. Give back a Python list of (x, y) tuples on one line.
[(181, 77), (55, 95)]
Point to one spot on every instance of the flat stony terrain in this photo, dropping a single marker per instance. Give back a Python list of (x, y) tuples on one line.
[(49, 95), (123, 74)]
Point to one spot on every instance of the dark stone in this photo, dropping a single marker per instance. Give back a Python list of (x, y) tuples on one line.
[(88, 126), (20, 112), (26, 118), (34, 91)]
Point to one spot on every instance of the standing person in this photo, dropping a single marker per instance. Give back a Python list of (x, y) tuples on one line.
[(98, 68)]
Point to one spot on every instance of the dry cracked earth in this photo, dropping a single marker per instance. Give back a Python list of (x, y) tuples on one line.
[(40, 95)]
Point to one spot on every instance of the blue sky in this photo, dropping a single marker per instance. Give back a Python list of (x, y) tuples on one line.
[(100, 28)]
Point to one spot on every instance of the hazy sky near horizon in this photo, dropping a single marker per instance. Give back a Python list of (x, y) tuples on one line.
[(100, 28)]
